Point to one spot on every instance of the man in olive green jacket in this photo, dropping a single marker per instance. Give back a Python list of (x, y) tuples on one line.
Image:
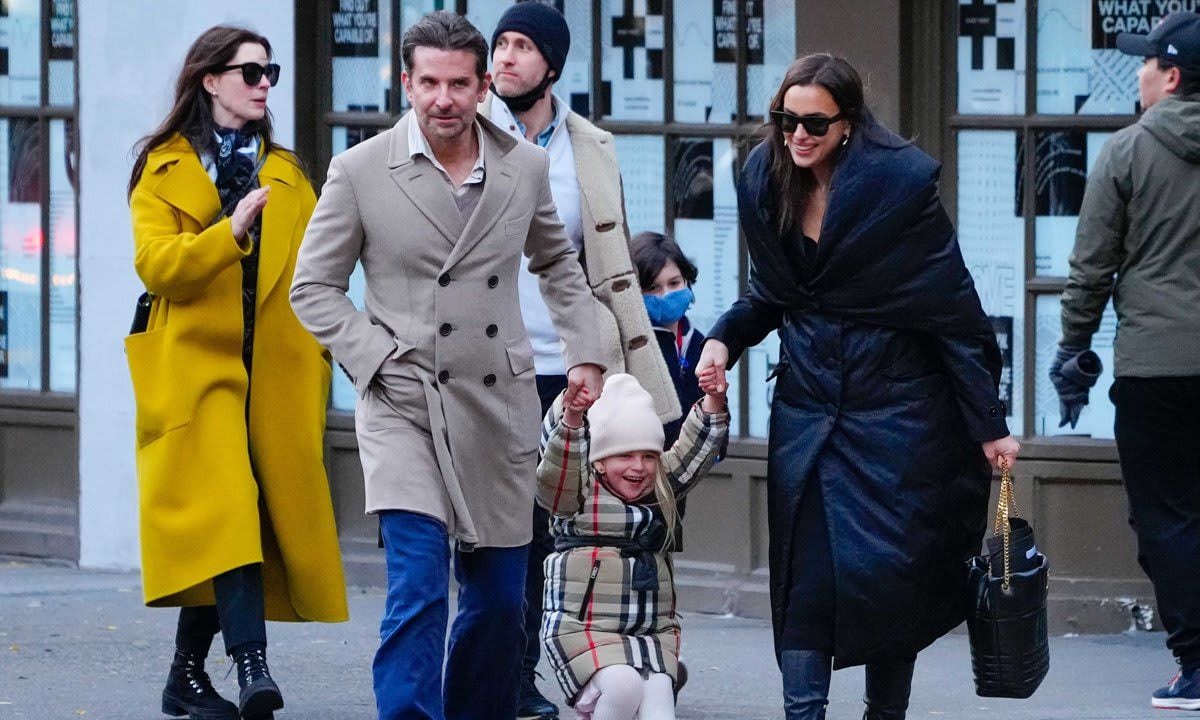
[(1139, 242)]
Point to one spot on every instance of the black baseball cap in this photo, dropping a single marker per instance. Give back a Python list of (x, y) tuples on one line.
[(1176, 39)]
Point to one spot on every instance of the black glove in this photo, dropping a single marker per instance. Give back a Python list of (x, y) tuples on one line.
[(1074, 371)]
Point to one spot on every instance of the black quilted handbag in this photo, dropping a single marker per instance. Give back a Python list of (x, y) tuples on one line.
[(1006, 617)]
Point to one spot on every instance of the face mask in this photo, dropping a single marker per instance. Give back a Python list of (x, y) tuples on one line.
[(669, 308), (521, 103)]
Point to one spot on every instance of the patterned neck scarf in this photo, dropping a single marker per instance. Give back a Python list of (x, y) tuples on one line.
[(235, 164)]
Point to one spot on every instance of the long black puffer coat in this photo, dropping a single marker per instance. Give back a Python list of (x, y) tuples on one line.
[(887, 386)]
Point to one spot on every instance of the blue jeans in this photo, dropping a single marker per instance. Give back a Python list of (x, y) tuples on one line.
[(483, 668)]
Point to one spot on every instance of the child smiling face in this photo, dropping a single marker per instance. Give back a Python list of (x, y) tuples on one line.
[(630, 476)]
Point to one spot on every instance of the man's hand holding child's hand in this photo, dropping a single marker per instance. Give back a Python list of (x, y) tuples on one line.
[(714, 387)]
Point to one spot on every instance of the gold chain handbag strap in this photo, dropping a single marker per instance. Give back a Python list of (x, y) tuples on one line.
[(1006, 507)]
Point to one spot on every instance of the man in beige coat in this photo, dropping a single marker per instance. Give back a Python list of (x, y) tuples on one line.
[(438, 210), (529, 48)]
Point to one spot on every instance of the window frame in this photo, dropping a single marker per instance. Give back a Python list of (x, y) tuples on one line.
[(1027, 125), (44, 114)]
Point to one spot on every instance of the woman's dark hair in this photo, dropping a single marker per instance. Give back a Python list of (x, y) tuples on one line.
[(651, 251), (444, 30), (842, 81), (191, 114), (1189, 78)]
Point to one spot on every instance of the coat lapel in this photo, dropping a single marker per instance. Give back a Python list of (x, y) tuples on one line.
[(423, 184), (278, 220), (185, 184), (500, 182)]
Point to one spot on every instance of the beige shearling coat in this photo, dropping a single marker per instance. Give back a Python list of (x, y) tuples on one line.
[(447, 418), (626, 337)]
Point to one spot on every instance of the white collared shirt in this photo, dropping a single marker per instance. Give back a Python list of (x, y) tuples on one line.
[(418, 145), (564, 187)]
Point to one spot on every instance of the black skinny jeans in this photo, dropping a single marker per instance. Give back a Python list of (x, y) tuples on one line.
[(238, 615)]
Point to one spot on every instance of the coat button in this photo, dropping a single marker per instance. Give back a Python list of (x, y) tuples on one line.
[(493, 281), (992, 411), (489, 379), (445, 329), (444, 280), (444, 377), (492, 330)]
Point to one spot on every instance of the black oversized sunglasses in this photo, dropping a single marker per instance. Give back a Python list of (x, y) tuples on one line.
[(815, 125), (253, 72)]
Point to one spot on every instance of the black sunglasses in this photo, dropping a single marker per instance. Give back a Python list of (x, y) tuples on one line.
[(253, 72), (815, 125)]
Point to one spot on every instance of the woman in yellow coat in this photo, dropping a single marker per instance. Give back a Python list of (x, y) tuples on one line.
[(236, 517)]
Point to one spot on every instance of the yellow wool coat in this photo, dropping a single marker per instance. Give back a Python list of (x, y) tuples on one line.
[(198, 457)]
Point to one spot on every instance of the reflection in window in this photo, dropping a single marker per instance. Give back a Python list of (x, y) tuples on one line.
[(64, 164), (631, 33), (362, 51), (1080, 69), (991, 235), (1097, 418), (704, 211), (1064, 159), (21, 253), (770, 47), (991, 57), (705, 62), (640, 158)]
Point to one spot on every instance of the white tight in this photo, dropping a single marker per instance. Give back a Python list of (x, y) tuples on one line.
[(618, 692)]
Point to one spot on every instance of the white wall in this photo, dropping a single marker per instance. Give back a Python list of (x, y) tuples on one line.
[(130, 52)]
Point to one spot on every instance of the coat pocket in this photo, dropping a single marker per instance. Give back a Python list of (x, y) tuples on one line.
[(160, 409), (522, 401)]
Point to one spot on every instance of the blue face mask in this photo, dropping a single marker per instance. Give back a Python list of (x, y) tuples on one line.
[(669, 308)]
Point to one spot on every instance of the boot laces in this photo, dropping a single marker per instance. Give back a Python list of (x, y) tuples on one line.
[(197, 679), (252, 665)]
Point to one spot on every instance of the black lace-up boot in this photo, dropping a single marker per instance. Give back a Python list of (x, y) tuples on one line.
[(189, 691), (260, 695)]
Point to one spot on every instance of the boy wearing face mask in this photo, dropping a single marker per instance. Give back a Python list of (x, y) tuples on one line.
[(666, 277)]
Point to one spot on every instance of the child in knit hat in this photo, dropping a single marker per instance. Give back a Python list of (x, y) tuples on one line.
[(609, 624)]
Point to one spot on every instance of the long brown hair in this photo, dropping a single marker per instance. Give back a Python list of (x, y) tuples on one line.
[(191, 115), (788, 182)]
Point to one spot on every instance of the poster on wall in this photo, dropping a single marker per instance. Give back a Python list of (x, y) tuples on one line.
[(632, 88), (1080, 69), (62, 29), (991, 56), (20, 51), (3, 333), (355, 28)]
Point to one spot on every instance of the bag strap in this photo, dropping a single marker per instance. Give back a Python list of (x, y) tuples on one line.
[(1006, 507)]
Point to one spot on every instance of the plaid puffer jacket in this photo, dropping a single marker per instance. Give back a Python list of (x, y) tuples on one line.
[(605, 602)]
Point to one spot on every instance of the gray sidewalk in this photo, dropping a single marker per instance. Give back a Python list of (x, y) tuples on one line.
[(80, 645)]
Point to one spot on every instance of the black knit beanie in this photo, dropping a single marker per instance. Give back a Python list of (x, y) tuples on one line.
[(542, 24)]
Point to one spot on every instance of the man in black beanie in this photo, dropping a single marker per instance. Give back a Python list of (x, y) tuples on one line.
[(529, 50)]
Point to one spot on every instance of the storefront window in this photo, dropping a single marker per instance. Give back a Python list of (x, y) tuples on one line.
[(1016, 216), (991, 235), (39, 164)]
